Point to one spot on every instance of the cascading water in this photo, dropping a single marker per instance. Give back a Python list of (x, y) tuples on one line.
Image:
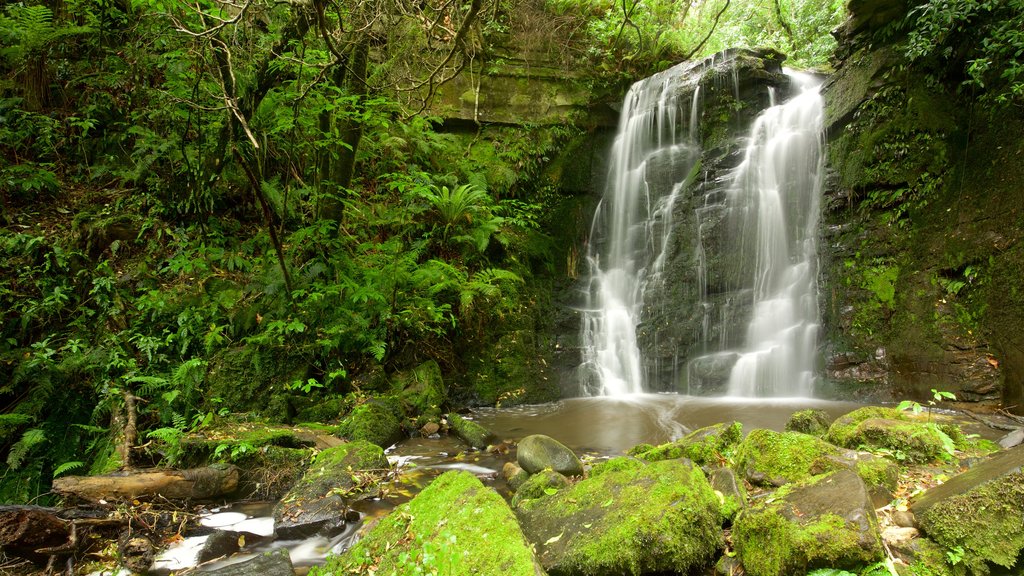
[(631, 228), (775, 196), (750, 236)]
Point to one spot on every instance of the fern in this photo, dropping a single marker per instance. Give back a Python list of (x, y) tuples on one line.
[(30, 439), (11, 422), (26, 30), (67, 467)]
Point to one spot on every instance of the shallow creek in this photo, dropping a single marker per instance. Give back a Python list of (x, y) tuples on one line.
[(595, 428)]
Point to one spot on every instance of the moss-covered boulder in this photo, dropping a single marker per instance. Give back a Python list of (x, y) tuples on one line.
[(320, 499), (628, 517), (421, 390), (472, 433), (826, 521), (892, 430), (254, 379), (705, 446), (537, 452), (767, 457), (374, 422), (980, 510), (813, 422), (543, 483), (455, 526)]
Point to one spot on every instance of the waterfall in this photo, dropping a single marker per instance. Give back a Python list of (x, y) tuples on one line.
[(631, 228), (775, 198), (750, 240)]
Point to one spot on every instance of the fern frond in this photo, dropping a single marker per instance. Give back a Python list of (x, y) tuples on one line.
[(67, 467), (30, 439)]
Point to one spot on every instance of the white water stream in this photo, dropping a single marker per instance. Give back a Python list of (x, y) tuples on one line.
[(772, 201), (776, 195), (631, 228)]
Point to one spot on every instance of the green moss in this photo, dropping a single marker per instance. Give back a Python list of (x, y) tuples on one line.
[(628, 518), (421, 390), (813, 422), (706, 446), (843, 431), (544, 483), (323, 410), (372, 422), (900, 437), (929, 559), (615, 465), (254, 379), (988, 522), (771, 545), (474, 434), (446, 528), (878, 472), (771, 457)]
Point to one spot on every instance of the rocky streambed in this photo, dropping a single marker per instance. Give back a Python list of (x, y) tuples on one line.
[(784, 489)]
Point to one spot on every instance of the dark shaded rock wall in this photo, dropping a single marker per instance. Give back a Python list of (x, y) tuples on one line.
[(922, 258)]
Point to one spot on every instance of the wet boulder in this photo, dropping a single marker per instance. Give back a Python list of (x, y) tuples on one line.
[(472, 433), (319, 501), (813, 422), (826, 521), (537, 452), (375, 422), (980, 510), (704, 446), (455, 526), (627, 517), (543, 483)]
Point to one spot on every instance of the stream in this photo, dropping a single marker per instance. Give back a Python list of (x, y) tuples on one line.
[(595, 428)]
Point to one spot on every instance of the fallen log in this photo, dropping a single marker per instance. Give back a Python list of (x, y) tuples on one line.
[(37, 533), (195, 484)]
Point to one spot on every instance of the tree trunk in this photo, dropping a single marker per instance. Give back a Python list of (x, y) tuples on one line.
[(351, 131)]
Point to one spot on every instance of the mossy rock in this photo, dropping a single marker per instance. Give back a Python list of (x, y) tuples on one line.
[(472, 433), (421, 390), (705, 446), (981, 510), (774, 458), (893, 431), (627, 517), (322, 409), (543, 483), (227, 440), (268, 473), (320, 499), (843, 430), (733, 495), (511, 370), (826, 521), (254, 379), (372, 422), (456, 526), (813, 422)]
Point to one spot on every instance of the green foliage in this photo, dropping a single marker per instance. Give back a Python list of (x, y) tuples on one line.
[(981, 41)]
